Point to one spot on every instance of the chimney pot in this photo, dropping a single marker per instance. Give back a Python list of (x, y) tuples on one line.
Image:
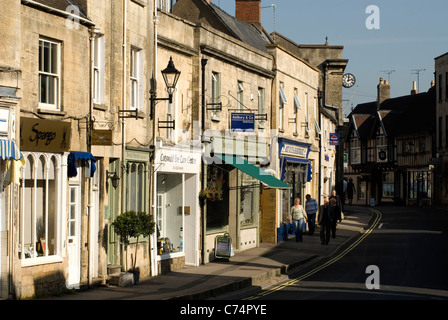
[(414, 88)]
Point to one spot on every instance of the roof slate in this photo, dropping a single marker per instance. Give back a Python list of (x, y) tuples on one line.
[(64, 5)]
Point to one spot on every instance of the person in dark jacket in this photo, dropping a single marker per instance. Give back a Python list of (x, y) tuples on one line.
[(335, 215), (324, 222)]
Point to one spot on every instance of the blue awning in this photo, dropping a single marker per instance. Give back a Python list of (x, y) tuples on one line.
[(8, 150), (74, 156)]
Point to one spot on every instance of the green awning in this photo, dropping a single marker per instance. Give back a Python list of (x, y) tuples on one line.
[(253, 171)]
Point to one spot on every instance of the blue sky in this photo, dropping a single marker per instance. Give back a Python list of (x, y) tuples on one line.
[(411, 34)]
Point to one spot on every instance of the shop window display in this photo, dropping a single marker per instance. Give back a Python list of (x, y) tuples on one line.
[(39, 206)]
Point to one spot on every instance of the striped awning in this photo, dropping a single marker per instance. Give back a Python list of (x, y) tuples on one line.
[(8, 150)]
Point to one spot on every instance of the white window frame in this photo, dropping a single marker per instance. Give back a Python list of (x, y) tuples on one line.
[(240, 96), (54, 75), (355, 151), (316, 119), (163, 5), (307, 126), (136, 79), (216, 94), (261, 108), (98, 69), (281, 106), (59, 197), (297, 107)]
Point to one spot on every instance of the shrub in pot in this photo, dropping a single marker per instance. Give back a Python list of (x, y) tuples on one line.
[(131, 224)]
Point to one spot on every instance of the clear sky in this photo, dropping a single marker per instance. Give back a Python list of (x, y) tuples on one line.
[(411, 34)]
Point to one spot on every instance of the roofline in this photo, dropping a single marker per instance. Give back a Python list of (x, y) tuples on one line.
[(58, 12)]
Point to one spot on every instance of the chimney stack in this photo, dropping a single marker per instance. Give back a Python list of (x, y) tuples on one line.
[(248, 11), (383, 91), (414, 88)]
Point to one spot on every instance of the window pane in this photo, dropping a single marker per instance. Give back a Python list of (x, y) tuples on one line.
[(43, 88), (54, 58), (46, 57)]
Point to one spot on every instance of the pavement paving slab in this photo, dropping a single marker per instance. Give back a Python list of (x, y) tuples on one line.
[(258, 267)]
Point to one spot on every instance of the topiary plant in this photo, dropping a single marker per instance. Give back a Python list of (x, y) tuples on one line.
[(131, 224)]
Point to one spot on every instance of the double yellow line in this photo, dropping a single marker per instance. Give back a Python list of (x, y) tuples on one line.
[(326, 264)]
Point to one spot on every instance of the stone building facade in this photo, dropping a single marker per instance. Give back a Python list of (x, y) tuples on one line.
[(441, 145)]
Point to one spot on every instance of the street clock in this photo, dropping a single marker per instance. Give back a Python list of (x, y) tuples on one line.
[(348, 80)]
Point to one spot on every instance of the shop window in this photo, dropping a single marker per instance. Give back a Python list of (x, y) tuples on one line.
[(249, 193), (419, 184), (217, 207), (388, 184), (135, 186), (40, 207)]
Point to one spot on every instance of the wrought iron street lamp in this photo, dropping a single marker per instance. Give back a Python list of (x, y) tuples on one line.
[(170, 76)]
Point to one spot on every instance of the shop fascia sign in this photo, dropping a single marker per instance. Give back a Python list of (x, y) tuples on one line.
[(174, 159), (44, 135), (295, 151)]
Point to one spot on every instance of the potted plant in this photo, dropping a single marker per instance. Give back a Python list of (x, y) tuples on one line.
[(131, 224)]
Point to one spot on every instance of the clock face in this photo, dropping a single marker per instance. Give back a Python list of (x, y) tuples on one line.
[(348, 80)]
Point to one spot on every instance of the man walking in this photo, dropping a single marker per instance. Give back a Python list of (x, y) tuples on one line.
[(311, 208), (324, 222)]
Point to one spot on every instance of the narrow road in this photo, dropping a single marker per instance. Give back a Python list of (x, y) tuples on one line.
[(403, 256)]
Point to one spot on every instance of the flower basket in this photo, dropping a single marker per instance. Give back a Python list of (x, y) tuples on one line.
[(214, 190)]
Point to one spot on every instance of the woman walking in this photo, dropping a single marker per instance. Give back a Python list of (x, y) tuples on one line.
[(298, 215)]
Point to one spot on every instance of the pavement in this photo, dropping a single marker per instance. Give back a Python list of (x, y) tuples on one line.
[(246, 271)]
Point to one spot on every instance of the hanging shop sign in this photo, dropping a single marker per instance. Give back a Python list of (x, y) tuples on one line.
[(244, 122), (44, 135), (101, 137), (334, 139), (4, 120)]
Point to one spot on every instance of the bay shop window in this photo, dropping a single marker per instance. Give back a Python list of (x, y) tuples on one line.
[(41, 191)]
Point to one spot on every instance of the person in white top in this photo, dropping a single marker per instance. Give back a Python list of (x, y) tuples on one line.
[(299, 216)]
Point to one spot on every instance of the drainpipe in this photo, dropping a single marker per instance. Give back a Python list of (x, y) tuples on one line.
[(153, 245), (123, 119), (203, 166)]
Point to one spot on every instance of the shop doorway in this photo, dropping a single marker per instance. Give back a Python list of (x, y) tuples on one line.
[(73, 239), (112, 241)]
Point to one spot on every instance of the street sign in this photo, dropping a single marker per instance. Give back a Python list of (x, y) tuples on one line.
[(334, 139)]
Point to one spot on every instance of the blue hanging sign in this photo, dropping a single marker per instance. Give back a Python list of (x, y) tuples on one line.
[(242, 122), (334, 139)]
